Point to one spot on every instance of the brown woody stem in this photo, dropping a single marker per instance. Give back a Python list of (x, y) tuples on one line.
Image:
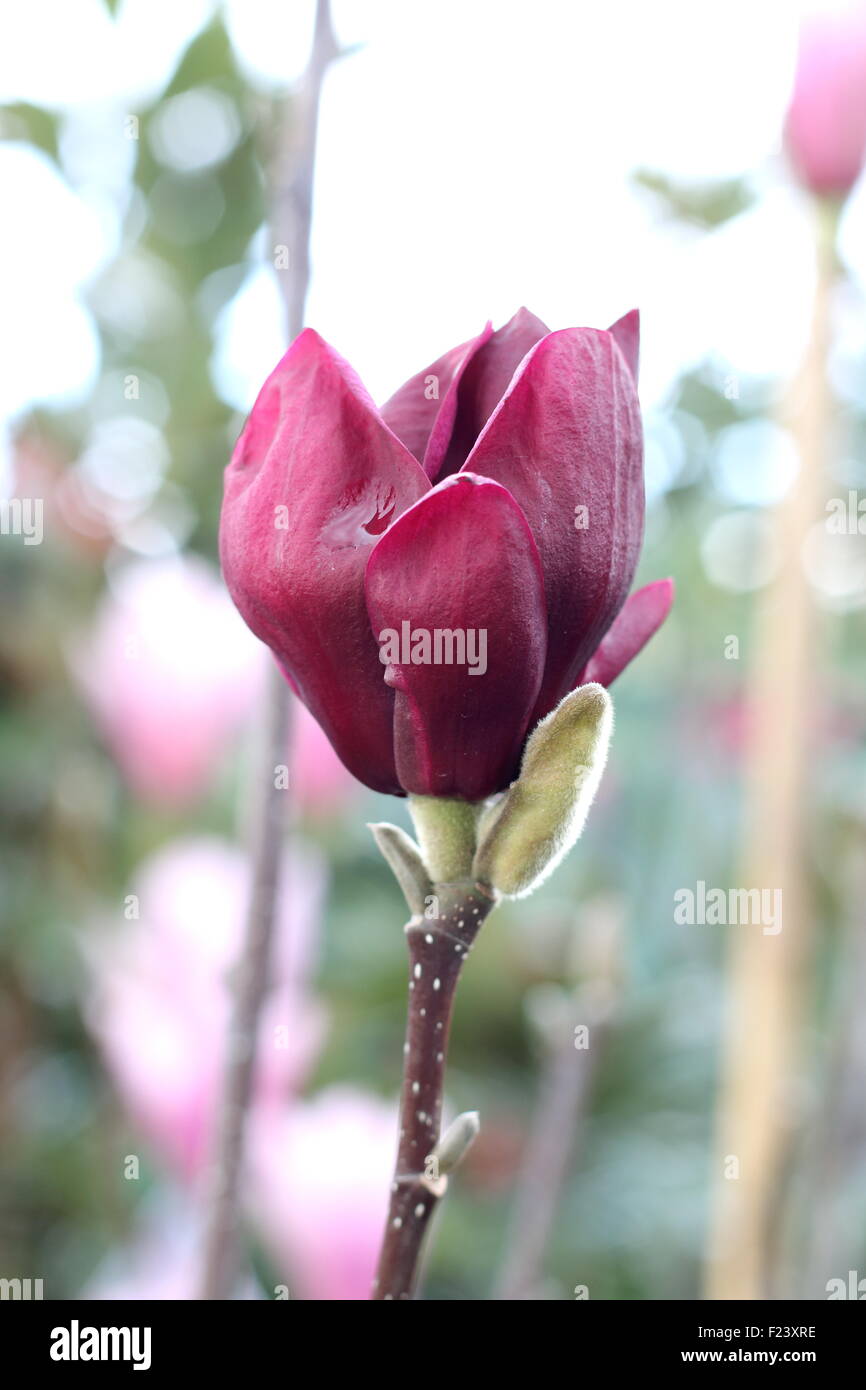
[(438, 946)]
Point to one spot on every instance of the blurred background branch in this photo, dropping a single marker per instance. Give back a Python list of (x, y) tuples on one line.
[(770, 1000), (291, 220), (572, 1029)]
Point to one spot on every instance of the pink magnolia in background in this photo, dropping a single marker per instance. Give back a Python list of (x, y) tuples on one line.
[(159, 998), (316, 1191), (320, 784), (313, 1191), (171, 673), (825, 131)]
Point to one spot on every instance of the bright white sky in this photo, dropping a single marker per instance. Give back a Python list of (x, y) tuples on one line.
[(474, 155)]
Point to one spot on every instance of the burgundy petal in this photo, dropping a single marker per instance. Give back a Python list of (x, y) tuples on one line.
[(640, 617), (626, 331), (566, 441), (424, 422), (461, 560), (485, 382), (315, 478)]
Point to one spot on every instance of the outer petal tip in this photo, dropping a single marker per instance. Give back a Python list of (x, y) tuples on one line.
[(639, 619), (626, 333)]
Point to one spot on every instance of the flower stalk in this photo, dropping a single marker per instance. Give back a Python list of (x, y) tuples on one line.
[(469, 856), (438, 947)]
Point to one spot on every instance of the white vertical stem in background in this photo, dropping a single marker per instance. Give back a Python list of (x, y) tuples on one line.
[(766, 982)]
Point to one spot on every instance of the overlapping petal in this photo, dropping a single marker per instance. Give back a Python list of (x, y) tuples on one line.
[(422, 412), (462, 560), (566, 440), (315, 479), (639, 619), (485, 382)]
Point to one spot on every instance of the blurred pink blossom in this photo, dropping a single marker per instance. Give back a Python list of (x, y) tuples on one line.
[(316, 1189), (318, 1192), (320, 782), (162, 1261), (160, 998), (169, 672), (825, 129)]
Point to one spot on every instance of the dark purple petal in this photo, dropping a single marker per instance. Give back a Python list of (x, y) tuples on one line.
[(461, 560), (315, 479), (424, 422), (566, 441), (485, 382), (641, 616)]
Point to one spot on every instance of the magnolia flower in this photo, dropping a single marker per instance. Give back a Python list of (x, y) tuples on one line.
[(316, 1191), (433, 578), (159, 1001), (825, 130)]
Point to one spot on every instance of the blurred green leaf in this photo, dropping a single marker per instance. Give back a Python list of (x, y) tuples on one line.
[(21, 121), (705, 205)]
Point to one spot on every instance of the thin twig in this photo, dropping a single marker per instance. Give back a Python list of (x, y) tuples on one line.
[(291, 219), (574, 1040), (220, 1249), (838, 1152), (294, 172), (564, 1091)]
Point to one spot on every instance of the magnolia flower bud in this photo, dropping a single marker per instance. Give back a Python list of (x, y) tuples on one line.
[(433, 577), (825, 130), (457, 1139), (539, 819)]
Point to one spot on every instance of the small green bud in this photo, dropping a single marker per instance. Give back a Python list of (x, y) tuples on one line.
[(534, 825), (458, 1137), (404, 859)]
